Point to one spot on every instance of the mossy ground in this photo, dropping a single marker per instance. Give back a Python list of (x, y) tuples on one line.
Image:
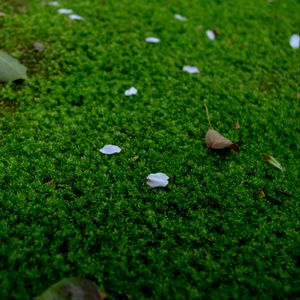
[(68, 210)]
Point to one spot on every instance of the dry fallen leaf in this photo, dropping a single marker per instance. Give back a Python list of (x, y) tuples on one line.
[(261, 193), (215, 140), (287, 193), (72, 288), (270, 159), (216, 31), (237, 125)]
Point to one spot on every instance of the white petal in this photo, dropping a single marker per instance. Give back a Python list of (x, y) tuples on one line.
[(53, 3), (179, 17), (158, 180), (295, 41), (152, 40), (210, 34), (110, 149), (190, 69), (75, 17), (131, 91), (65, 11)]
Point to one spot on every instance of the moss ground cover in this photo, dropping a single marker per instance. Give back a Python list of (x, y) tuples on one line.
[(226, 226)]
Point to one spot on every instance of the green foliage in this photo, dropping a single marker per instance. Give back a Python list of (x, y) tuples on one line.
[(67, 210)]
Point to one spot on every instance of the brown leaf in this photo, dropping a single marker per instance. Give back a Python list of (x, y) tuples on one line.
[(237, 125), (270, 159), (261, 193), (215, 140), (72, 289), (216, 31), (103, 295), (285, 192)]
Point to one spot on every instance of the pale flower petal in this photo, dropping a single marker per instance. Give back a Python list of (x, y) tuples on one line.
[(210, 34), (179, 17), (53, 3), (110, 149), (190, 69), (131, 91), (158, 180), (75, 17), (65, 11), (295, 41), (152, 40)]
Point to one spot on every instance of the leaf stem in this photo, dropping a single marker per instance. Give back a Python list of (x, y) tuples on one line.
[(207, 114)]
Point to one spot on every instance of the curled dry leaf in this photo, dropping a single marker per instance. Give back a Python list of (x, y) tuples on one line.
[(270, 159), (215, 140), (72, 288), (261, 193), (216, 31), (237, 125)]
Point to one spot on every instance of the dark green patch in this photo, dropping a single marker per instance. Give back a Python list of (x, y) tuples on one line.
[(69, 211), (7, 107)]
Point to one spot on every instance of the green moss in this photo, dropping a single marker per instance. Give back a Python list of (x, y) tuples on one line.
[(67, 210)]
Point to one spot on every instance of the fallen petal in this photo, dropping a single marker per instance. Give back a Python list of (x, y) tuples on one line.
[(75, 17), (158, 180), (270, 159), (65, 11), (152, 40), (110, 149), (210, 34), (131, 91), (295, 41), (190, 69), (53, 3), (179, 17)]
